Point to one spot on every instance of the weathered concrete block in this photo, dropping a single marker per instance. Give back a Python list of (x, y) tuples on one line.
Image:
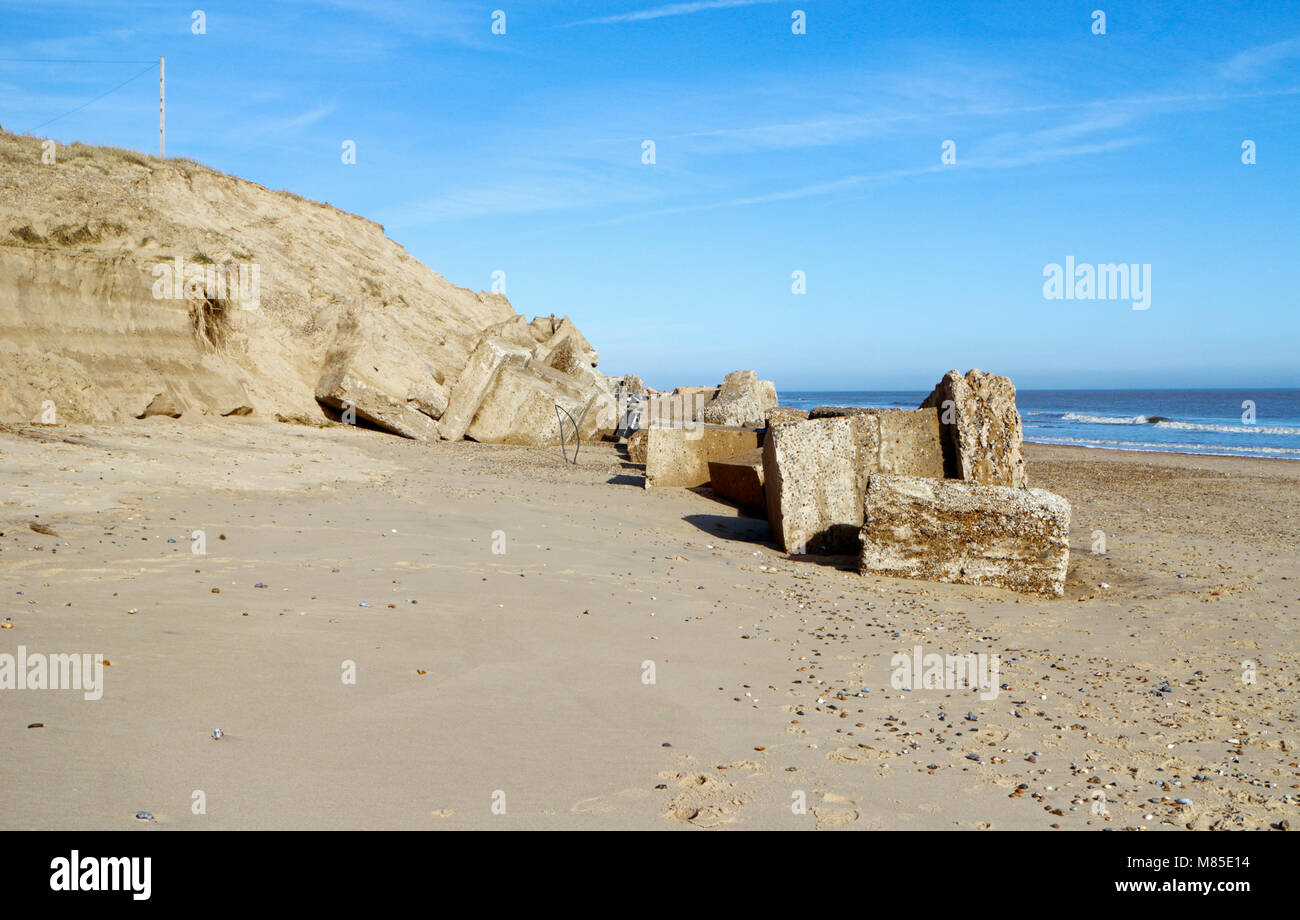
[(636, 442), (520, 408), (738, 390), (733, 411), (630, 384), (815, 477), (910, 442), (965, 533), (838, 411), (910, 439), (565, 336), (680, 456), (675, 409), (707, 393), (515, 330), (475, 382), (739, 479), (738, 383), (343, 389), (778, 414), (567, 357), (982, 437), (429, 396), (543, 327), (372, 380)]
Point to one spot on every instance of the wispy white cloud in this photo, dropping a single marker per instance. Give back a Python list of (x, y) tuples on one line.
[(895, 121), (1032, 155), (820, 131), (257, 131), (309, 117), (806, 191), (1074, 137), (1029, 155), (457, 22), (831, 129), (1254, 61), (671, 9), (527, 189), (111, 44)]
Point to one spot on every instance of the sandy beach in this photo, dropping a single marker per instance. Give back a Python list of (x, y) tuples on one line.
[(542, 645)]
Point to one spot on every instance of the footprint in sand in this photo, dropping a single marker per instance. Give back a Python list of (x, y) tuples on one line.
[(705, 801), (835, 811), (706, 816), (596, 805), (859, 754)]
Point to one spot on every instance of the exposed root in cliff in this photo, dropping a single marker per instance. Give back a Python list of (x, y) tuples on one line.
[(210, 320)]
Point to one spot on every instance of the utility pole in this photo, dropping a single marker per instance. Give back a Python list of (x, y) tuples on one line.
[(162, 110)]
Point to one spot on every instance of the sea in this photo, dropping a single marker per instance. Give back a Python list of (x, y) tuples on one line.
[(1222, 422)]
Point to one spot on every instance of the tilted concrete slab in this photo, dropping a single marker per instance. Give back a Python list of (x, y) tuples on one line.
[(474, 383)]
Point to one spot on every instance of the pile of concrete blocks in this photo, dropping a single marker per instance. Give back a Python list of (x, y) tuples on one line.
[(516, 375), (816, 471), (711, 435), (741, 400), (938, 492)]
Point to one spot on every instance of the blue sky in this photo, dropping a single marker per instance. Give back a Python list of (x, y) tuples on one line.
[(774, 153)]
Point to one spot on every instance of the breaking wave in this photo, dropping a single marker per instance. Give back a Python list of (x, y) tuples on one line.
[(1168, 424), (1106, 419), (1222, 450), (1230, 429)]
